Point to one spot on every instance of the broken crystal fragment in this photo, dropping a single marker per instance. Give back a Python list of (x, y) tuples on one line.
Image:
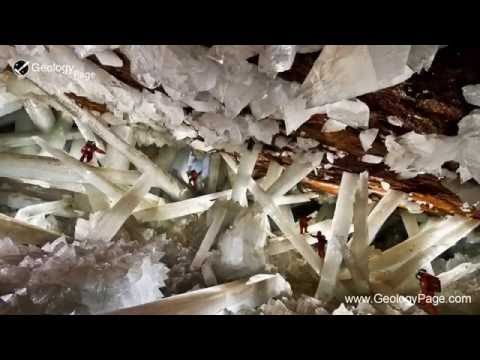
[(332, 125), (367, 137)]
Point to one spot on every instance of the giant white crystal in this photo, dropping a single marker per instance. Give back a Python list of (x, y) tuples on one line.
[(346, 71)]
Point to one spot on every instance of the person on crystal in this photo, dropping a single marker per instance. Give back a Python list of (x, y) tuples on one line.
[(193, 176), (303, 222), (88, 150), (429, 285), (321, 243)]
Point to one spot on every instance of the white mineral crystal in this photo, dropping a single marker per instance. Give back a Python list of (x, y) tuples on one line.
[(232, 296), (421, 57), (273, 173), (306, 144), (41, 114), (342, 220), (263, 130), (275, 97), (332, 125), (109, 58), (245, 169), (91, 271), (384, 208), (352, 113), (108, 223), (242, 247), (295, 113), (345, 71), (269, 206), (240, 52), (8, 103), (394, 120), (413, 153), (342, 310), (423, 247), (360, 239), (276, 58), (301, 167), (367, 137), (70, 245), (471, 93), (372, 159), (86, 50), (6, 53), (209, 238)]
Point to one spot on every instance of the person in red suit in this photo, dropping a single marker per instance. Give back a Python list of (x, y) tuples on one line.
[(88, 150), (193, 176), (303, 222), (429, 285), (321, 244)]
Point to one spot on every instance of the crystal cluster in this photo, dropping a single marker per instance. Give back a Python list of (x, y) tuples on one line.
[(197, 187)]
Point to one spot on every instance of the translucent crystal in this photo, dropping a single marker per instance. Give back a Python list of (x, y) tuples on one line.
[(276, 58), (8, 103), (296, 172), (352, 113), (263, 130), (242, 247), (346, 71), (372, 159), (332, 125), (232, 297), (109, 58), (421, 57), (367, 137), (342, 220), (245, 170), (238, 52), (471, 93), (295, 113), (275, 97), (108, 224)]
